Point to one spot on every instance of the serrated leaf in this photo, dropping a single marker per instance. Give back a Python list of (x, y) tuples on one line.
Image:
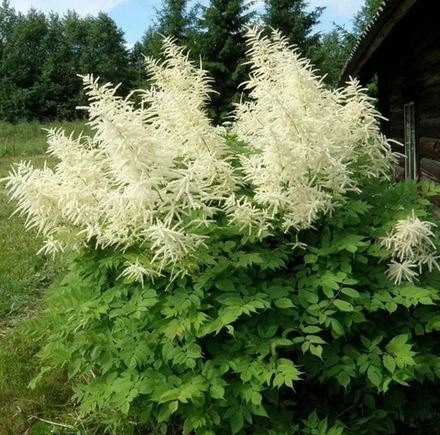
[(277, 292), (225, 285), (343, 379), (217, 392), (330, 280), (343, 305), (284, 303), (237, 422), (350, 292), (310, 329), (337, 327), (310, 258), (315, 339), (316, 350), (256, 398), (233, 301), (389, 363), (374, 374), (173, 406)]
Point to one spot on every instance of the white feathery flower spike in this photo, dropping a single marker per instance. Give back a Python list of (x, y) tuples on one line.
[(411, 246), (305, 141), (155, 176)]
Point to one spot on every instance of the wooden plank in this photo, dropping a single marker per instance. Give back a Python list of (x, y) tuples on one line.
[(429, 127), (430, 168), (429, 147), (430, 94)]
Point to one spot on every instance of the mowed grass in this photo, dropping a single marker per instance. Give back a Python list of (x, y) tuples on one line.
[(24, 276)]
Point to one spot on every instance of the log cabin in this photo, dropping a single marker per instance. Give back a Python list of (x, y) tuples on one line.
[(401, 48)]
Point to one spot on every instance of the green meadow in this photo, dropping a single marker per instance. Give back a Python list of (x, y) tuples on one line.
[(24, 276)]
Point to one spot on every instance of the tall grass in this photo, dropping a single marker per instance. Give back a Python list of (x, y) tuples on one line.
[(24, 276), (29, 138)]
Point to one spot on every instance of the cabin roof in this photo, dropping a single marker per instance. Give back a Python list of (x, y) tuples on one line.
[(390, 12)]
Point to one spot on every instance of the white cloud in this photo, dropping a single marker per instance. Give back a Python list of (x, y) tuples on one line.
[(82, 7), (341, 8)]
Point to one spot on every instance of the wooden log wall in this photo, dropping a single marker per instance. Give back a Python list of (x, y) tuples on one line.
[(408, 67)]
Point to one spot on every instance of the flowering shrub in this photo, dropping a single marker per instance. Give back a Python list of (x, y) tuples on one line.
[(234, 280)]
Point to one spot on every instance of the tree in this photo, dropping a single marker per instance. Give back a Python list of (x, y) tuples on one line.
[(41, 57), (22, 60), (330, 55), (363, 18), (104, 53), (333, 48), (8, 19), (173, 19), (291, 18), (221, 45)]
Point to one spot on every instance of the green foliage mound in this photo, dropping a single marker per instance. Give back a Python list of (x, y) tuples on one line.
[(267, 279), (264, 338)]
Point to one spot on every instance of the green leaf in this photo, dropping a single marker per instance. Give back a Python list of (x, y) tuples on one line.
[(330, 280), (369, 401), (277, 292), (233, 301), (284, 303), (237, 422), (315, 339), (225, 285), (391, 307), (229, 315), (311, 329), (337, 327), (343, 379), (256, 398), (310, 258), (374, 374), (217, 392), (343, 305), (258, 410), (350, 292), (306, 296), (173, 406), (389, 363), (316, 350), (397, 344)]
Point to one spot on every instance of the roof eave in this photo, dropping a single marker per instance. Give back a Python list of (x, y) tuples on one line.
[(389, 14)]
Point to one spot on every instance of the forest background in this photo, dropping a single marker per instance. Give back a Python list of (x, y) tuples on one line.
[(41, 55)]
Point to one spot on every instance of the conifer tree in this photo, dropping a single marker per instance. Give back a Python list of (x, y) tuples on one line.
[(364, 16), (172, 20), (221, 45), (292, 20)]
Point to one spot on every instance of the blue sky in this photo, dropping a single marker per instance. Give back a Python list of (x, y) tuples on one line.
[(134, 16)]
